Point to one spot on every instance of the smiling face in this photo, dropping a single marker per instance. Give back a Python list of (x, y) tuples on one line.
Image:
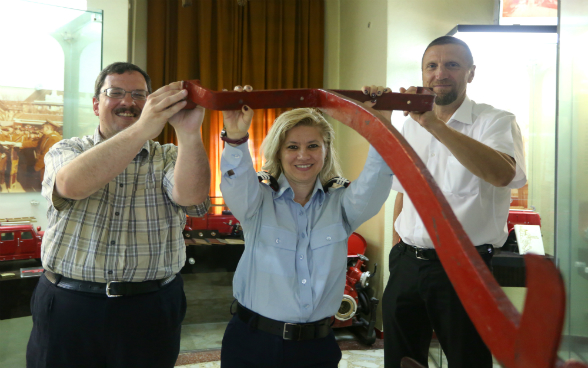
[(118, 114), (447, 70), (303, 155)]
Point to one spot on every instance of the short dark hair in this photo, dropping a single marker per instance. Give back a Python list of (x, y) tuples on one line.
[(118, 68), (445, 40)]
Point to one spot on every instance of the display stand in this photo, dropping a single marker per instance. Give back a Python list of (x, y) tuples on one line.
[(16, 291)]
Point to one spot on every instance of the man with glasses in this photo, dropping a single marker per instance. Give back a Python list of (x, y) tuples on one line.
[(111, 294)]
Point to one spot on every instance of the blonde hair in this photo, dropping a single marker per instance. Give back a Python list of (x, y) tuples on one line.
[(276, 136)]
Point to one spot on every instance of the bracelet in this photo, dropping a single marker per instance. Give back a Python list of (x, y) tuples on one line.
[(223, 136)]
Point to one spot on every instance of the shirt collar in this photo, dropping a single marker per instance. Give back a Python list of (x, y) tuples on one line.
[(463, 114), (286, 188), (99, 139), (97, 136)]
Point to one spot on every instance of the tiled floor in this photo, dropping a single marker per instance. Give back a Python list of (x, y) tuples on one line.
[(350, 359), (202, 336), (209, 297), (14, 336)]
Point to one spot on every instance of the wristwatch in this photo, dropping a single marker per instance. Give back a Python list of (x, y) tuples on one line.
[(237, 142)]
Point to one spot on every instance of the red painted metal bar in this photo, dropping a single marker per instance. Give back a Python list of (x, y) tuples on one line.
[(527, 341), (286, 98)]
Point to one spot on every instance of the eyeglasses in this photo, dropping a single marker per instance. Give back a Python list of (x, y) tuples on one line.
[(119, 93)]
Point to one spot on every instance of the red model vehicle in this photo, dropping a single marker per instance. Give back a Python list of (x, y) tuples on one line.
[(221, 225), (20, 240)]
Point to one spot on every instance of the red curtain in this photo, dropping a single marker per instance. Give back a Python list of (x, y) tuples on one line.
[(268, 44)]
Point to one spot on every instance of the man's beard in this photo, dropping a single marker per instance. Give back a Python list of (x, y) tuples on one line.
[(446, 99)]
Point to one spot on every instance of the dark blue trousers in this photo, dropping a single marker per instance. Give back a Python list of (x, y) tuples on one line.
[(245, 347), (418, 299), (77, 329)]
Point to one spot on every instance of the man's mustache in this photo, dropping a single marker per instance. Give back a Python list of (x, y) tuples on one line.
[(133, 110)]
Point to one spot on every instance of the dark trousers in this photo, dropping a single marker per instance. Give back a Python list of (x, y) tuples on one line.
[(247, 347), (418, 299), (77, 329)]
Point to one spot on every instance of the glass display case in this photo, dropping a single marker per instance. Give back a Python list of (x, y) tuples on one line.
[(51, 56), (571, 206), (516, 72)]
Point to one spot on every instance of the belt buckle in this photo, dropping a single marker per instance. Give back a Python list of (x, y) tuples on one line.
[(418, 252), (285, 330), (108, 290)]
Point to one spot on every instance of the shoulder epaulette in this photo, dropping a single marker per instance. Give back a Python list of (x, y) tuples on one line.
[(336, 182), (264, 176)]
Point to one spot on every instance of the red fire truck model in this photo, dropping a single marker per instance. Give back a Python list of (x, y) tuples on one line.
[(19, 240)]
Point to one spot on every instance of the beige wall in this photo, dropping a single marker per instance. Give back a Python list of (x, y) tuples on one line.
[(388, 52), (115, 28), (356, 33), (138, 33)]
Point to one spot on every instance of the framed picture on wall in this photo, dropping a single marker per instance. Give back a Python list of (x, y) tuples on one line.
[(53, 57), (31, 122), (528, 12)]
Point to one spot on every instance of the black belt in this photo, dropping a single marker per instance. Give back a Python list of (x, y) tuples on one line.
[(288, 331), (430, 254), (111, 288)]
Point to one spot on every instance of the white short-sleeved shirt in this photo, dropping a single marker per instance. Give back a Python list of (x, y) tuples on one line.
[(481, 207)]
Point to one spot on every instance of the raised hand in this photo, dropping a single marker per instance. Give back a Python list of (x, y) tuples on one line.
[(374, 92), (237, 122), (161, 105), (425, 119), (188, 121)]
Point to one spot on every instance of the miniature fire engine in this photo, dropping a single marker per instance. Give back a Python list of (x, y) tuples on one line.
[(214, 225), (214, 243), (19, 239)]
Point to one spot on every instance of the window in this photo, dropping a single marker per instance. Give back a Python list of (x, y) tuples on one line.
[(6, 236), (26, 235)]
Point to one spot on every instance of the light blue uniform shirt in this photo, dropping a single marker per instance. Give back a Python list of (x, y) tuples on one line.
[(295, 259)]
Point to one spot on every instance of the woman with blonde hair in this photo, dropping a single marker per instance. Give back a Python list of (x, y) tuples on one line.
[(300, 117), (291, 276)]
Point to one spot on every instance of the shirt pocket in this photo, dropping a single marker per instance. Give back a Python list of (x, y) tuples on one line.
[(145, 181), (458, 180), (329, 248), (277, 253)]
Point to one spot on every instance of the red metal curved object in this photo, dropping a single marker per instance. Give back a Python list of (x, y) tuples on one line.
[(286, 98), (527, 341)]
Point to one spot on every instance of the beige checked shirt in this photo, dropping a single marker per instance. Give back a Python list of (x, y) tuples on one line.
[(130, 230)]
